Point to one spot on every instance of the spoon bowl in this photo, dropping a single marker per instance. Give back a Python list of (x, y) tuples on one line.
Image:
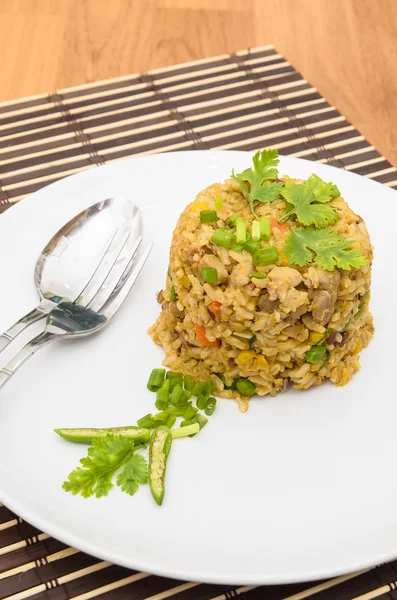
[(70, 258)]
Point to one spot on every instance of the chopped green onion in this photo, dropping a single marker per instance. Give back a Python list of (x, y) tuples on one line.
[(196, 391), (180, 432), (251, 342), (189, 383), (176, 395), (172, 374), (256, 231), (209, 274), (223, 238), (147, 422), (161, 417), (266, 256), (264, 224), (170, 422), (232, 220), (188, 422), (252, 246), (257, 276), (210, 406), (218, 202), (204, 395), (315, 354), (202, 421), (208, 216), (241, 231), (245, 387), (178, 411), (238, 247), (162, 397), (346, 326), (190, 412), (222, 377), (327, 359), (173, 294), (156, 380), (185, 397)]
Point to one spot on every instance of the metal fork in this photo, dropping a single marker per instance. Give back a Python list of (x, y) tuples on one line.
[(88, 314)]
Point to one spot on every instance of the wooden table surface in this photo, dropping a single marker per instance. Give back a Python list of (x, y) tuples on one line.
[(345, 48)]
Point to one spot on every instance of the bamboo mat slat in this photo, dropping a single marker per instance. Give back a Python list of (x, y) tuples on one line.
[(246, 100)]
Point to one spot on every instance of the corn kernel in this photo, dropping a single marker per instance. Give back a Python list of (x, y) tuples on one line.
[(245, 357), (199, 205), (315, 337), (261, 362), (186, 282), (358, 347)]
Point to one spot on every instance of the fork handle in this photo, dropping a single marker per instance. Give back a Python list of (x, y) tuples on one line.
[(27, 351), (31, 317)]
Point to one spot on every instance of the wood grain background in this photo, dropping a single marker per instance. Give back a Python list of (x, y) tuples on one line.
[(345, 48)]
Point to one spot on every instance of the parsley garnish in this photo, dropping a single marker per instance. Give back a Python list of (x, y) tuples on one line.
[(308, 202), (260, 188), (107, 456), (331, 250)]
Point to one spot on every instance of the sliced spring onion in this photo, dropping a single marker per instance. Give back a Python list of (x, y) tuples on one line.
[(256, 231), (180, 432), (204, 395), (196, 391), (170, 422), (190, 412), (176, 395), (251, 342), (264, 224), (315, 354), (346, 326), (173, 294), (266, 256), (245, 387), (189, 383), (147, 422), (222, 377), (161, 417), (172, 374), (257, 276), (210, 406), (202, 421), (162, 397), (188, 422), (218, 202), (223, 238), (232, 220), (178, 411), (252, 246), (241, 231), (208, 216), (156, 380), (209, 274)]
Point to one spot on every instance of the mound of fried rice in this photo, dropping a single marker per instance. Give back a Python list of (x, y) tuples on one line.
[(264, 326)]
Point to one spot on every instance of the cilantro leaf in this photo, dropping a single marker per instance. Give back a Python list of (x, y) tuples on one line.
[(306, 207), (323, 192), (132, 474), (264, 168), (331, 250), (105, 457)]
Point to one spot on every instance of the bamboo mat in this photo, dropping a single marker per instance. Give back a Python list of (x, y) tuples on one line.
[(242, 101)]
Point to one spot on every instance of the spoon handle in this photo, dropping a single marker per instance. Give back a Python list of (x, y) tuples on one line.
[(31, 317), (27, 351)]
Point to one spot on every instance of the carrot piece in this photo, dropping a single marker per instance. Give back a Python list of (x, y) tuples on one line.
[(215, 308), (202, 338), (280, 226)]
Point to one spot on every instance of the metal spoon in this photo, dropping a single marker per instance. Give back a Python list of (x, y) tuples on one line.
[(93, 237)]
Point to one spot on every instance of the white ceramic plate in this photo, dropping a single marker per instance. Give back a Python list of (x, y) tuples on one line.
[(301, 487)]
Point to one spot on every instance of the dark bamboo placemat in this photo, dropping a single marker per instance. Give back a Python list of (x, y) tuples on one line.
[(244, 101)]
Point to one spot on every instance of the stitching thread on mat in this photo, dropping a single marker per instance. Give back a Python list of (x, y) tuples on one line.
[(284, 109), (79, 134), (183, 125)]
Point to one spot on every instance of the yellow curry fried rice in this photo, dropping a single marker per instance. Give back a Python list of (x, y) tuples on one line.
[(268, 285)]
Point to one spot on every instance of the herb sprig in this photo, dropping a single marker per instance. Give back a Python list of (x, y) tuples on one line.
[(330, 249)]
